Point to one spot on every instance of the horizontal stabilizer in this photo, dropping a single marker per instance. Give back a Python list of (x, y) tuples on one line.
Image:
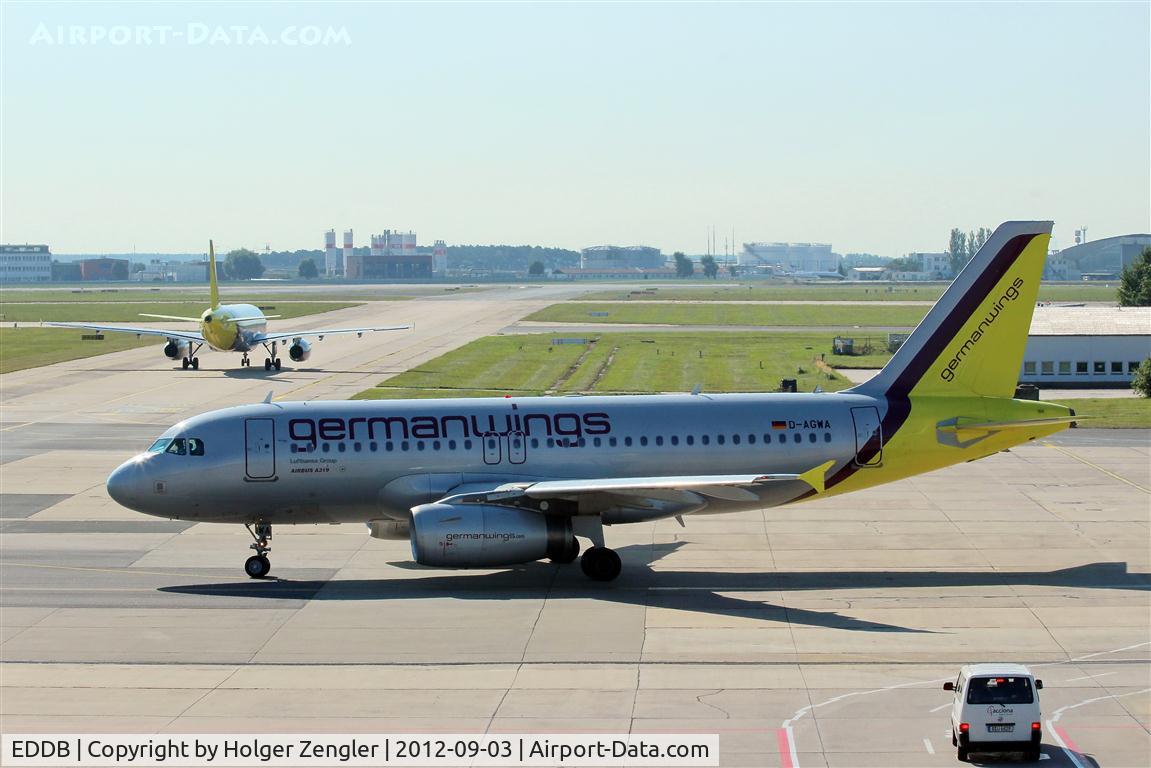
[(958, 425)]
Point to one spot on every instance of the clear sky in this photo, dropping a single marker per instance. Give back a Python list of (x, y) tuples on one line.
[(874, 127)]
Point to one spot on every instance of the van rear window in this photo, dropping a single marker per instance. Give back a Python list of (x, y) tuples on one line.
[(1000, 690)]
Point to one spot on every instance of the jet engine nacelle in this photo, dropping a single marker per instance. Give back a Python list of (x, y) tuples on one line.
[(482, 535), (300, 351), (176, 348)]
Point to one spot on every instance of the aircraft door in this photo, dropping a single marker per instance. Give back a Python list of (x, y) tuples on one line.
[(493, 451), (517, 448), (868, 437), (260, 447)]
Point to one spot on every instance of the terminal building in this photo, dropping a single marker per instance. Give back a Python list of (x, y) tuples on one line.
[(1086, 346), (25, 264)]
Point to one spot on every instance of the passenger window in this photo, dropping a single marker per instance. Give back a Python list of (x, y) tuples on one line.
[(675, 440), (372, 446), (178, 447), (419, 445), (341, 447), (643, 440), (327, 447), (751, 438), (691, 439), (195, 447), (811, 437), (735, 439), (795, 437), (720, 439), (535, 443), (827, 437), (389, 446), (436, 444), (404, 445), (612, 442), (659, 439), (357, 447), (467, 445), (767, 438), (597, 442), (704, 439)]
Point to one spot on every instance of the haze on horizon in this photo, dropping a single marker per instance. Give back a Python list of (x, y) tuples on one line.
[(875, 127)]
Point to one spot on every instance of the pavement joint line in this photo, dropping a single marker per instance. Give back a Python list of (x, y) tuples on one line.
[(134, 571), (1093, 465)]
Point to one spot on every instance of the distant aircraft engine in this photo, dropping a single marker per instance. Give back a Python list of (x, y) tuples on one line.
[(482, 535), (300, 350), (389, 529), (176, 348)]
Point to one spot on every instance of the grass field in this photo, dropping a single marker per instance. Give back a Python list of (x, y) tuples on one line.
[(22, 348), (1112, 412), (735, 314), (837, 292), (106, 312), (620, 363), (234, 294)]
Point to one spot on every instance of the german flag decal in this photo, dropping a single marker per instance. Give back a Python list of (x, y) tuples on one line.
[(779, 425)]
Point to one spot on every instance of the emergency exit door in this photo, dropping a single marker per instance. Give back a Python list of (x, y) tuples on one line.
[(260, 447), (868, 437)]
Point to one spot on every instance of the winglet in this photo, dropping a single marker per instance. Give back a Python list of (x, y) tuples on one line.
[(212, 287), (816, 477), (268, 397)]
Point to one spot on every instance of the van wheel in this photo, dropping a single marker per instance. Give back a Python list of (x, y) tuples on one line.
[(1032, 755), (961, 754), (954, 741)]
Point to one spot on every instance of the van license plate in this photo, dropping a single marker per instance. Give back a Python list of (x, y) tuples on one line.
[(1001, 728)]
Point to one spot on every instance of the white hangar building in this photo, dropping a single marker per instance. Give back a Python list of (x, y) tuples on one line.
[(1086, 346)]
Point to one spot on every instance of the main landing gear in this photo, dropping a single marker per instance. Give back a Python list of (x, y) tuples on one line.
[(191, 361), (245, 362), (257, 566), (271, 361), (598, 563)]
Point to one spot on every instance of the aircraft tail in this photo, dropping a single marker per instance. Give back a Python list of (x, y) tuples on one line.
[(212, 286), (971, 342)]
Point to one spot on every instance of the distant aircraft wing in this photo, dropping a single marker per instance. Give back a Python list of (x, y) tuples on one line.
[(262, 337), (168, 334)]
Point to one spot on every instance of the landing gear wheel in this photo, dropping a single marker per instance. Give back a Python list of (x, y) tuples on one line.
[(195, 363), (961, 755), (257, 566), (267, 363), (186, 363), (601, 564), (276, 363), (569, 556)]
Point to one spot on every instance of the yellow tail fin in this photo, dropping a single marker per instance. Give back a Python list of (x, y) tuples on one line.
[(212, 287)]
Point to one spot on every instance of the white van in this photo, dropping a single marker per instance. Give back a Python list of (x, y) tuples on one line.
[(996, 709)]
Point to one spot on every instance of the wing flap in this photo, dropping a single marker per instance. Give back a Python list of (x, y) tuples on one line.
[(733, 487)]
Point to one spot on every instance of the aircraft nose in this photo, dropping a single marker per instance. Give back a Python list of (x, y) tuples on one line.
[(124, 484)]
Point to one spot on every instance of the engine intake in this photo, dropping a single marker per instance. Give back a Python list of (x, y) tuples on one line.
[(300, 351), (483, 535), (175, 349)]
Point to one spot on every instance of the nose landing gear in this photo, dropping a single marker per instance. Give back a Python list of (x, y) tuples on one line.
[(257, 566)]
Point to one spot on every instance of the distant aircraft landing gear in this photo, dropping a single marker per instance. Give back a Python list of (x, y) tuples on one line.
[(245, 362), (271, 361), (257, 566), (191, 361)]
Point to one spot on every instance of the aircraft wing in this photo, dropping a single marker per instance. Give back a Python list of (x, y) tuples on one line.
[(327, 332), (720, 486), (168, 334)]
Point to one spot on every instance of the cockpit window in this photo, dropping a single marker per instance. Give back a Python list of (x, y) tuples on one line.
[(160, 445), (195, 447), (178, 447)]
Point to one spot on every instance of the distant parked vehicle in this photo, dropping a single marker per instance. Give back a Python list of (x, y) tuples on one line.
[(996, 709)]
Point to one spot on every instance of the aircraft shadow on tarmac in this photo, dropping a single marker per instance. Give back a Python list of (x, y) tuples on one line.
[(699, 591)]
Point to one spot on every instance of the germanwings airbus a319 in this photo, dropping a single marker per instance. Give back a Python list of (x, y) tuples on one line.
[(230, 328), (495, 482)]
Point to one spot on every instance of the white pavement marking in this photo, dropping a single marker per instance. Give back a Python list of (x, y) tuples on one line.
[(1089, 677), (1071, 750), (927, 745), (940, 707)]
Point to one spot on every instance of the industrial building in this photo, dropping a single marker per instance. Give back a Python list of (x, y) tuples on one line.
[(25, 264), (1102, 259), (393, 255), (157, 271), (790, 257), (1086, 346), (612, 258)]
